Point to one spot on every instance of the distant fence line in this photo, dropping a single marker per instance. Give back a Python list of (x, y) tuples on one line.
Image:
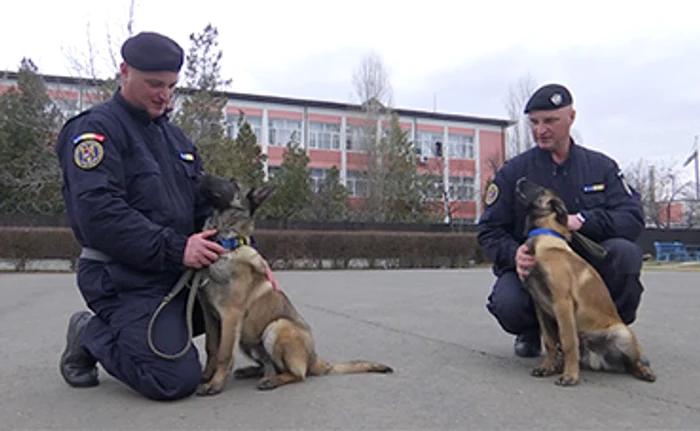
[(646, 240), (61, 220)]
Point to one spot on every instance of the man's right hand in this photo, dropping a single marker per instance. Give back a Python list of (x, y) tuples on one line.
[(524, 261), (201, 252)]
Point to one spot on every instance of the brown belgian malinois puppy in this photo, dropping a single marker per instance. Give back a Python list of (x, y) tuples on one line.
[(575, 311), (244, 306)]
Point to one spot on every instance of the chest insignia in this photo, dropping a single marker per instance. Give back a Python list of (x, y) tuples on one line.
[(594, 188), (188, 157)]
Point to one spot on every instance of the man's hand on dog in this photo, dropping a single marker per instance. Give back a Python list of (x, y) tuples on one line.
[(573, 223), (201, 252), (524, 261)]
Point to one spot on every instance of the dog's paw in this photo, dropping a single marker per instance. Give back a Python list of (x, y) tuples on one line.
[(266, 383), (208, 388), (543, 371), (248, 372), (207, 374), (644, 373), (566, 380)]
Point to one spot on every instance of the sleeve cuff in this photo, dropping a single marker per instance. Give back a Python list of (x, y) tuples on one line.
[(175, 251)]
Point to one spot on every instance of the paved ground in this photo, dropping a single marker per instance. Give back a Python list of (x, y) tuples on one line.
[(454, 367)]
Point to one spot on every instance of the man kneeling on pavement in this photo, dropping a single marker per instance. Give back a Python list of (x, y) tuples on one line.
[(602, 207)]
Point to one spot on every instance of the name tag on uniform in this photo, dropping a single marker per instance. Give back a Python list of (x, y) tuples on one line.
[(594, 188), (188, 157)]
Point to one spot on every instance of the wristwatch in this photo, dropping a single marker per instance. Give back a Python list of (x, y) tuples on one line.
[(581, 218)]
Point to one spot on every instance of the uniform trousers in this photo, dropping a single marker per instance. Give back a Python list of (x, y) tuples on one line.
[(117, 335)]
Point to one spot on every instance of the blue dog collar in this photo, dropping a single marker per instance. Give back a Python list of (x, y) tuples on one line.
[(233, 243), (544, 231)]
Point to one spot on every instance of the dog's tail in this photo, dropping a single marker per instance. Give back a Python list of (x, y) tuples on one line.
[(323, 368)]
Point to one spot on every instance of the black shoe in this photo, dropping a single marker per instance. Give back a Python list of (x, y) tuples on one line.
[(78, 367), (528, 345)]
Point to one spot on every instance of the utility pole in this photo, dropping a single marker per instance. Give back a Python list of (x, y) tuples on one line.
[(697, 171)]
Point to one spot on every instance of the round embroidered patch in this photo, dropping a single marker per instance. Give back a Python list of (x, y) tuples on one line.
[(491, 194), (88, 154)]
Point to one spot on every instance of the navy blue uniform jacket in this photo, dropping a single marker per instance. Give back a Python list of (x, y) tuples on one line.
[(135, 196), (588, 181)]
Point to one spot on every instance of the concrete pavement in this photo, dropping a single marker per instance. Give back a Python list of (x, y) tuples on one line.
[(454, 367)]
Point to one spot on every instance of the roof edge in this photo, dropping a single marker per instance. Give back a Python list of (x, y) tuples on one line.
[(282, 100)]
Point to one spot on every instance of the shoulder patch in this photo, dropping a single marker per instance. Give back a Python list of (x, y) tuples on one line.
[(88, 151), (491, 194)]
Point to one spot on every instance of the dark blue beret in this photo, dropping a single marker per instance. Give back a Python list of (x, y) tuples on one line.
[(152, 52), (548, 98)]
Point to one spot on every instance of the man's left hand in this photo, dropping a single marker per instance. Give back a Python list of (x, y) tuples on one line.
[(574, 223)]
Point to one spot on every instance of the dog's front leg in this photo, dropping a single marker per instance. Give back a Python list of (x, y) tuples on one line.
[(550, 364), (231, 323), (568, 336), (213, 339)]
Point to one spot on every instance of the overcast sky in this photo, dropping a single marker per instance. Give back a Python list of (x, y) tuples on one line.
[(633, 70)]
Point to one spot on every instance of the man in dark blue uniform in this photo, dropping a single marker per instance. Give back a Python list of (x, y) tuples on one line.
[(602, 207), (130, 187)]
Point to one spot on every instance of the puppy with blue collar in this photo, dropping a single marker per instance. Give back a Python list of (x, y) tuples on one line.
[(579, 322)]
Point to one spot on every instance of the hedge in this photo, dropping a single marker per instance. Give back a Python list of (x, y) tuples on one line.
[(290, 248)]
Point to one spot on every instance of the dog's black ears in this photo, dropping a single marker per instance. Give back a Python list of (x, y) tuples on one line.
[(257, 196)]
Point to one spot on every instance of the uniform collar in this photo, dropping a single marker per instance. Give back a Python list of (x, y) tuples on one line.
[(140, 114), (546, 156)]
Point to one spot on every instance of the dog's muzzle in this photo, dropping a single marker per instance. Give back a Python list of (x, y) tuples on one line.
[(219, 192), (527, 191)]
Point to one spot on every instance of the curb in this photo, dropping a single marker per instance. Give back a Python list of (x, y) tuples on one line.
[(66, 265), (36, 265)]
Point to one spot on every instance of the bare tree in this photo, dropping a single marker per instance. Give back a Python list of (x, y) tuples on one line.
[(100, 67), (520, 138), (371, 81), (373, 88), (658, 186)]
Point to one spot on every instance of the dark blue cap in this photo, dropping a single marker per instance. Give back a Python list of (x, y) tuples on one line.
[(548, 98), (152, 52)]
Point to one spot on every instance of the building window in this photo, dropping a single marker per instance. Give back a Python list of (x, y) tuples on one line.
[(324, 136), (462, 188), (317, 176), (283, 131), (434, 186), (254, 121), (425, 143), (272, 171), (68, 108), (356, 138), (461, 146), (356, 183)]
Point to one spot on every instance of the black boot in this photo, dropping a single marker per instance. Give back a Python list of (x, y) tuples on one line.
[(77, 366), (528, 345)]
